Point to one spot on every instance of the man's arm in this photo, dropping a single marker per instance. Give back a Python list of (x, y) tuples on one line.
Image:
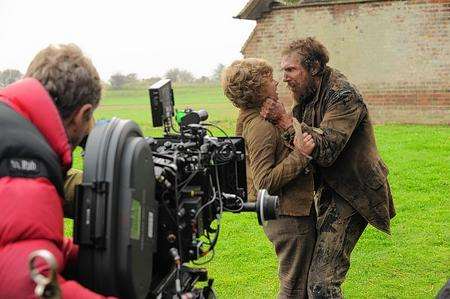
[(340, 120), (73, 178), (261, 139)]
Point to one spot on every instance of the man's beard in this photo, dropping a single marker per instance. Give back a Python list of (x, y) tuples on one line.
[(306, 93)]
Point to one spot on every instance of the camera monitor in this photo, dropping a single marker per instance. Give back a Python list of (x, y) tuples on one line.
[(162, 103)]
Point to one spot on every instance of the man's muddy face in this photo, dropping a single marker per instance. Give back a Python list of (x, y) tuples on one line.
[(297, 77)]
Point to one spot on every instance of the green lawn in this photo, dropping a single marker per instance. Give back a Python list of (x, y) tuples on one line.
[(414, 262)]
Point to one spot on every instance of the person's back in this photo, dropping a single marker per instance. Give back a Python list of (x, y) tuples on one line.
[(30, 212), (42, 118)]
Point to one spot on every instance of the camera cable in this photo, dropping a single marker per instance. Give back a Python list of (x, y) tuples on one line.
[(177, 260)]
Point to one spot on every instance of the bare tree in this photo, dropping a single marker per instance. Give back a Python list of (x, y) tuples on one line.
[(118, 80), (217, 72), (132, 77), (150, 81), (181, 76), (172, 74), (9, 76), (203, 80), (185, 77)]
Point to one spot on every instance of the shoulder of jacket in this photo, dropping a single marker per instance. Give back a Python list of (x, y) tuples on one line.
[(341, 90), (337, 81), (256, 123), (259, 121)]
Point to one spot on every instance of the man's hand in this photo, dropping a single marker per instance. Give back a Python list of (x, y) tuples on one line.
[(307, 146), (274, 111)]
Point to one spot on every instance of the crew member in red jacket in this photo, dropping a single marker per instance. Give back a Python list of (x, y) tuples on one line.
[(42, 119)]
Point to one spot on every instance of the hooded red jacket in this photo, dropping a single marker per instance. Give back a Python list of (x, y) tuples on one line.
[(31, 214)]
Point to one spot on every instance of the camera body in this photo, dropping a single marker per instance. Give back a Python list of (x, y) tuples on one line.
[(148, 206)]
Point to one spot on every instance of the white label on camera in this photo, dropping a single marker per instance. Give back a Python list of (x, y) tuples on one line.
[(88, 216), (150, 225)]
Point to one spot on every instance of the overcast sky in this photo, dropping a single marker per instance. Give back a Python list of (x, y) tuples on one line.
[(146, 37)]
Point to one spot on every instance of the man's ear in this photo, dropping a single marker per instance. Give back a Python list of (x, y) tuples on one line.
[(82, 115)]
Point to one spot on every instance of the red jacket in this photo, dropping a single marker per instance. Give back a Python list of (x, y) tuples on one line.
[(31, 214)]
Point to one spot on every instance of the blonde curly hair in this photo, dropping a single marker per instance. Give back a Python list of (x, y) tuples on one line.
[(244, 82)]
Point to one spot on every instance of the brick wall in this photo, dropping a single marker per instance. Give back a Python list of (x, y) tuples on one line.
[(396, 52)]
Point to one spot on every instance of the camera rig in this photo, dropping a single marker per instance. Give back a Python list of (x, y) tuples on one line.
[(149, 206)]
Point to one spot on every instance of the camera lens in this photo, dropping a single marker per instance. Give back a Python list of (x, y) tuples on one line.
[(266, 206)]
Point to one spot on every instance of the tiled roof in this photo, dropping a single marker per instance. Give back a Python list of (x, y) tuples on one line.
[(254, 9)]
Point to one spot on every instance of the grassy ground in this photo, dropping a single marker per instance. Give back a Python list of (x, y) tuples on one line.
[(414, 262)]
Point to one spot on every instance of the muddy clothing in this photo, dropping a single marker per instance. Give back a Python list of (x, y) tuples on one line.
[(74, 177), (350, 179), (273, 166), (346, 156), (444, 293), (339, 227)]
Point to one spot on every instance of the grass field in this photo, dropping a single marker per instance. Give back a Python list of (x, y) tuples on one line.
[(414, 262)]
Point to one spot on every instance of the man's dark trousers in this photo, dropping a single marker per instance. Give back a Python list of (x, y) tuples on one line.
[(339, 227)]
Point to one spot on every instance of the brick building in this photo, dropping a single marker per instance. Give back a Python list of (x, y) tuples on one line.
[(396, 51)]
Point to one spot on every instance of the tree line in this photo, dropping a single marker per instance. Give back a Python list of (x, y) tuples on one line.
[(120, 80), (131, 80)]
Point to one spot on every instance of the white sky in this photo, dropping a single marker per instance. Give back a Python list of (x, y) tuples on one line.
[(146, 37)]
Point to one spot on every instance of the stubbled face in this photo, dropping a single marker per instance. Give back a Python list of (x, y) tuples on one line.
[(77, 135), (297, 77), (79, 124)]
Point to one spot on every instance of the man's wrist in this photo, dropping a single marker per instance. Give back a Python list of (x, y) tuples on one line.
[(306, 155)]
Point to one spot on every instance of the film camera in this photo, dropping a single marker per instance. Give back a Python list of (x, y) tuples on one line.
[(149, 206)]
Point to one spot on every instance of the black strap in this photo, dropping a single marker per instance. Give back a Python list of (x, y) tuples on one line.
[(23, 167), (24, 152)]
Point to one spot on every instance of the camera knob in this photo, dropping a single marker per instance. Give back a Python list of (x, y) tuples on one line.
[(171, 238), (181, 212)]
